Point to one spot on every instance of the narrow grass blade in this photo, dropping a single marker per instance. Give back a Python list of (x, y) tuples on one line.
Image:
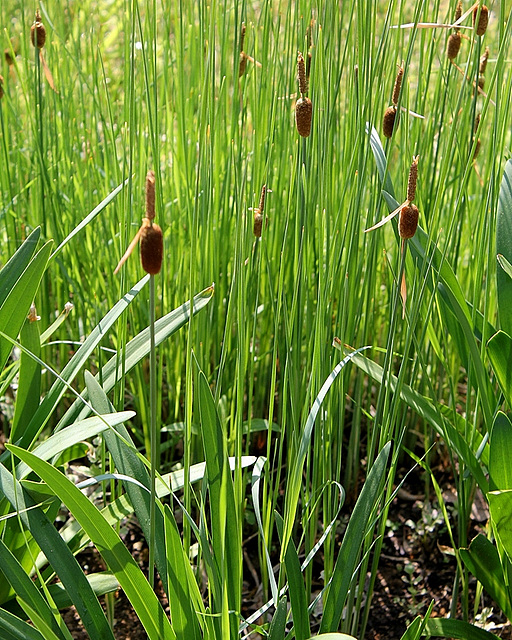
[(108, 543), (14, 309), (226, 531), (138, 348), (100, 583), (76, 363), (26, 589), (97, 210), (83, 430), (12, 270), (29, 381), (334, 636), (58, 554), (352, 540), (295, 479), (500, 454), (499, 349), (432, 415), (483, 560), (184, 596), (297, 589), (504, 248), (129, 464), (456, 629), (278, 625), (13, 628), (504, 264)]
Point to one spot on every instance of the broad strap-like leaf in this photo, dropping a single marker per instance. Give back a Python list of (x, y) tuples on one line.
[(117, 557), (138, 349), (504, 248), (58, 554)]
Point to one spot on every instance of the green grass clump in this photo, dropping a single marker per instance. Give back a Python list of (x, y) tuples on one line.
[(210, 96)]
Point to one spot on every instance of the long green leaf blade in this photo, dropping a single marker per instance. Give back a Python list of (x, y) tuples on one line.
[(116, 555), (352, 540), (504, 248)]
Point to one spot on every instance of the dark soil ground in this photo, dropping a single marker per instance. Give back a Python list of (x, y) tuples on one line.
[(417, 566)]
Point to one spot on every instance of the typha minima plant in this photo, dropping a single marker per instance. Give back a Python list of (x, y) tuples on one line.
[(303, 106), (38, 39), (389, 120), (151, 253), (244, 57), (258, 213), (480, 19), (407, 222)]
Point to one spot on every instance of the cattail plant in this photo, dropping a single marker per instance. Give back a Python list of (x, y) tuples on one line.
[(258, 213), (482, 68), (38, 32), (303, 106), (151, 252), (38, 39), (453, 45), (480, 19), (8, 57), (407, 221), (389, 120), (244, 57)]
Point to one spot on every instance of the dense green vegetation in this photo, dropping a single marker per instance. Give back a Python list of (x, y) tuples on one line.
[(304, 366)]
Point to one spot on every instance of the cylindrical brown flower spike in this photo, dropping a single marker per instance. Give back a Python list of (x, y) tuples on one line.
[(301, 74), (398, 85), (243, 57), (150, 195), (258, 213), (408, 221), (303, 116), (8, 57), (458, 13), (413, 178), (38, 32), (1, 87), (453, 46), (388, 122), (477, 146), (483, 20), (483, 61), (151, 247)]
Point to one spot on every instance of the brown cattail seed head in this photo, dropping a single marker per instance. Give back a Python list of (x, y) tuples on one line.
[(151, 248), (458, 12), (398, 84), (477, 147), (242, 37), (150, 195), (38, 32), (242, 64), (388, 122), (408, 221), (8, 57), (1, 87), (483, 61), (303, 115), (453, 46), (258, 223), (301, 74), (481, 82), (413, 178), (481, 27)]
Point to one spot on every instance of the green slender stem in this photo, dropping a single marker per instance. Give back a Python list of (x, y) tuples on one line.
[(155, 444)]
